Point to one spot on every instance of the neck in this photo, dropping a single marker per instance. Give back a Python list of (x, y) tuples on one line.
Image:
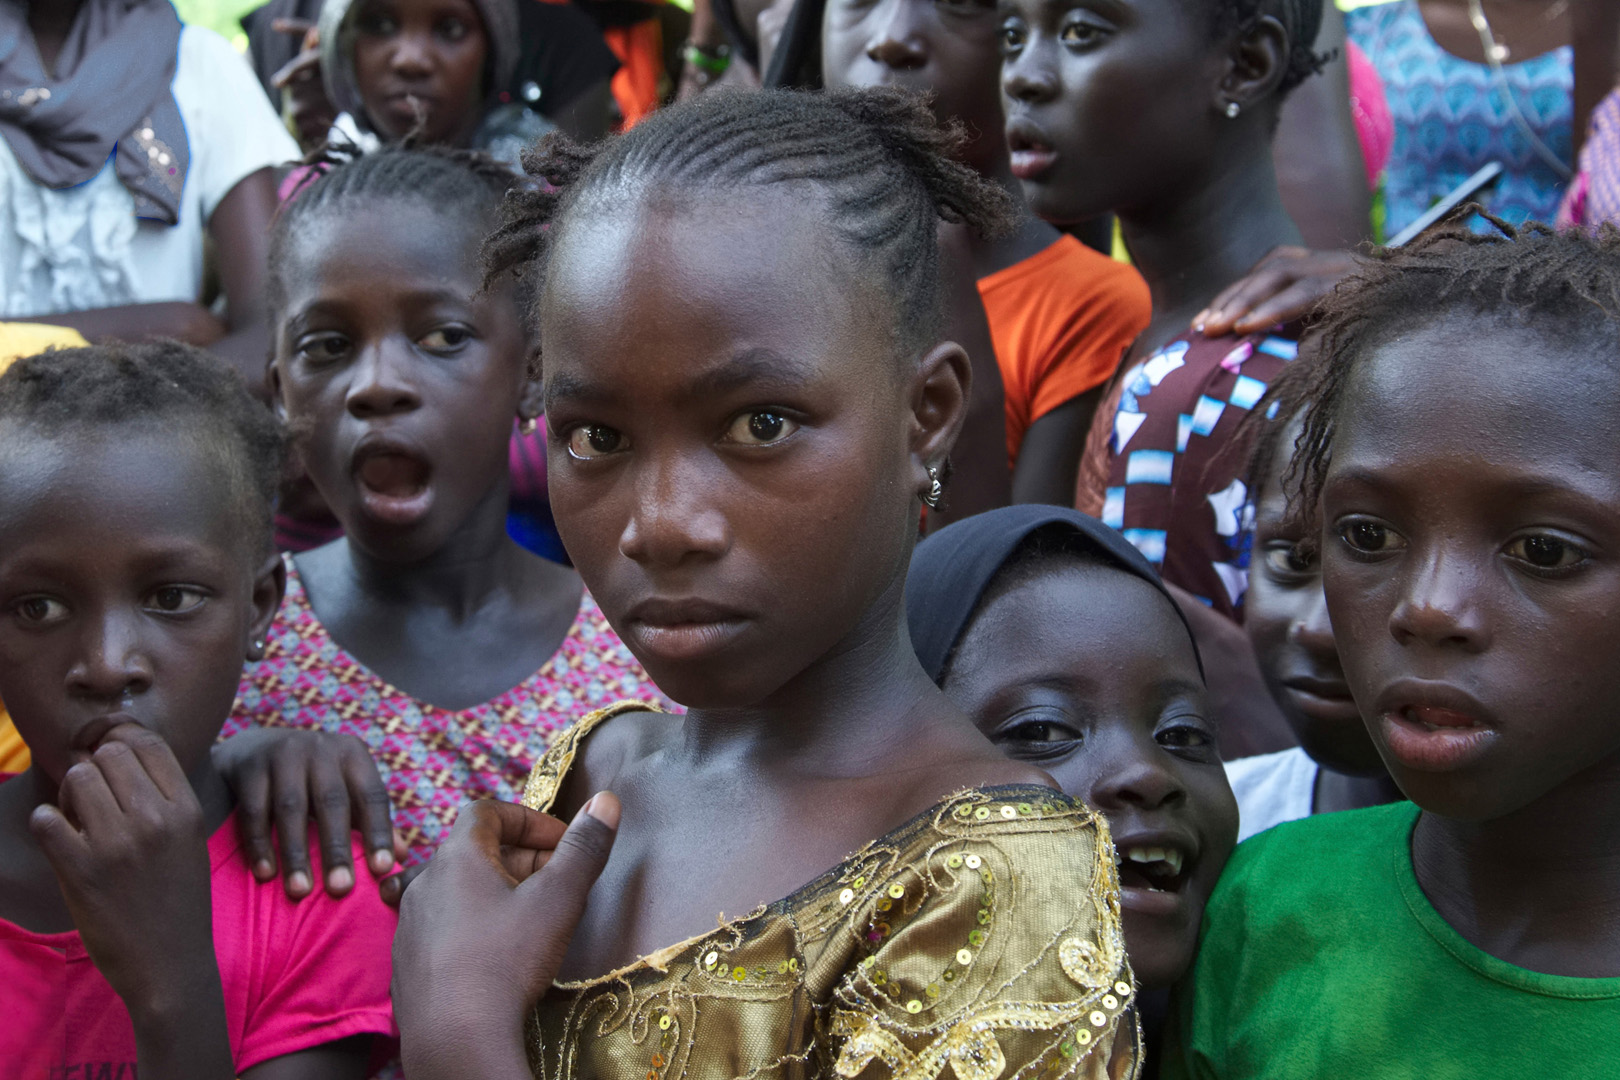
[(477, 561), (50, 21), (1028, 238), (1341, 791), (851, 713), (1194, 243), (1539, 887)]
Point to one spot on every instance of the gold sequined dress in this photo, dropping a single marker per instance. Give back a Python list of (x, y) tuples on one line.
[(982, 937)]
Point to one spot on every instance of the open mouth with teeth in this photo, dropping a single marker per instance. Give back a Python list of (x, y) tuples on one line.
[(1157, 869)]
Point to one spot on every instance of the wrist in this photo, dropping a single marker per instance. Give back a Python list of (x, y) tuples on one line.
[(712, 60)]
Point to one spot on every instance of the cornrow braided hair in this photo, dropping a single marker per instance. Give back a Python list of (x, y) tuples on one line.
[(883, 163), (338, 177), (1566, 283), (1301, 18), (180, 388)]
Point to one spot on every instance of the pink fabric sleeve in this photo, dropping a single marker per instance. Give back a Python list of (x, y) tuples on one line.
[(299, 975), (1374, 125)]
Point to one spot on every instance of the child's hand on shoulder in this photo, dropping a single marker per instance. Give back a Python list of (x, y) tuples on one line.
[(483, 933), (129, 845)]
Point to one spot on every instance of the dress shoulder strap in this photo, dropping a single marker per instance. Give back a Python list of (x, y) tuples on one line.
[(546, 778)]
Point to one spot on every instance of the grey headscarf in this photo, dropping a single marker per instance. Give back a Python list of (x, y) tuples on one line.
[(112, 96), (337, 50)]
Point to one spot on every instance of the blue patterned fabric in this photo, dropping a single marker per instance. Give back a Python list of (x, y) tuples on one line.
[(1451, 119)]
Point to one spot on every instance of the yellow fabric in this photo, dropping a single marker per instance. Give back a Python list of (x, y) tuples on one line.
[(19, 339), (980, 941), (14, 757)]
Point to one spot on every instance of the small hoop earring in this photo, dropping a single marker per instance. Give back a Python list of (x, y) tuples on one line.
[(936, 490), (1232, 110), (526, 426)]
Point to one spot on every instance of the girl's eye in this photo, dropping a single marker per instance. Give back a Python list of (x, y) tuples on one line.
[(1184, 737), (380, 25), (41, 610), (1039, 731), (590, 441), (452, 29), (1546, 552), (1080, 34), (1370, 537), (175, 599), (446, 339), (1012, 36), (324, 349), (760, 428), (1287, 559)]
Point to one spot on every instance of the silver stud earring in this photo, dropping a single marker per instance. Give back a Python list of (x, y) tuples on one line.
[(258, 644), (936, 490), (1232, 110)]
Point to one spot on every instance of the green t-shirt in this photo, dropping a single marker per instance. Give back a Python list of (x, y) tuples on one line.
[(1321, 959)]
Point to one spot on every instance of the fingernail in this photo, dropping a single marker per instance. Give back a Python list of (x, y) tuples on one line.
[(264, 869), (340, 879), (382, 861), (298, 883), (604, 808)]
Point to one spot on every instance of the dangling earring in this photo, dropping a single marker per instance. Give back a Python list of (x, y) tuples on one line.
[(1232, 110), (526, 426), (936, 490)]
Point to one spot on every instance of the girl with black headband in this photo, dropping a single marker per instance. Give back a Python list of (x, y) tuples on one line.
[(1056, 636)]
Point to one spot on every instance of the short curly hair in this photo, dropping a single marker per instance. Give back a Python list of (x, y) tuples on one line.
[(1566, 284), (163, 384)]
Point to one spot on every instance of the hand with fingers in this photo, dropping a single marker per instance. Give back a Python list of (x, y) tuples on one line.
[(303, 93), (1282, 288), (288, 774), (484, 932), (129, 846)]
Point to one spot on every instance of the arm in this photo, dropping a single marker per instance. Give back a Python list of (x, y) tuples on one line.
[(129, 846), (1320, 169), (286, 773), (1049, 457), (1597, 56), (506, 874)]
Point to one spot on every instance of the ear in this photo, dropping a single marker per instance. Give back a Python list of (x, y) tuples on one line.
[(939, 398), (1255, 66), (269, 586), (277, 400)]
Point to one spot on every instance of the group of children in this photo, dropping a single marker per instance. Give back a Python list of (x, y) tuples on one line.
[(963, 808)]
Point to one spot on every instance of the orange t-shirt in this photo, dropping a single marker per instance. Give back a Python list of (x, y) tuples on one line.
[(1060, 322)]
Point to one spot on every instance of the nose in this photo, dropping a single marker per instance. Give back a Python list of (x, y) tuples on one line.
[(1130, 774), (1312, 631), (412, 56), (111, 664), (380, 385), (1027, 77), (672, 524), (896, 42), (1439, 604)]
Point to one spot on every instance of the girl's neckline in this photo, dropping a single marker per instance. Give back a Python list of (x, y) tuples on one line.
[(296, 594), (1510, 62), (658, 959)]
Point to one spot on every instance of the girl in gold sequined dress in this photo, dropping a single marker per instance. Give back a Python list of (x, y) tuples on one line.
[(747, 399)]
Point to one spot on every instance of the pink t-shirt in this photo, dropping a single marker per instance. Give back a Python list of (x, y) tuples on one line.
[(295, 976)]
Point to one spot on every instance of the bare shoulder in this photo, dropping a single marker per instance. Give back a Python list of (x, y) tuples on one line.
[(593, 754)]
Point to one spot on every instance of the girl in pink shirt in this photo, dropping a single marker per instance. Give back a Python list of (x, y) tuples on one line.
[(136, 574)]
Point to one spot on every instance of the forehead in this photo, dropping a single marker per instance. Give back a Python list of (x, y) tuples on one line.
[(464, 9), (1081, 616), (383, 246), (748, 268), (119, 490), (1487, 398)]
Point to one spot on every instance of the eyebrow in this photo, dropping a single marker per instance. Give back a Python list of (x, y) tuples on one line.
[(757, 367), (325, 307)]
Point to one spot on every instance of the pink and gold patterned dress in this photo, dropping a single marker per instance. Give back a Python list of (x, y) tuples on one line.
[(433, 760)]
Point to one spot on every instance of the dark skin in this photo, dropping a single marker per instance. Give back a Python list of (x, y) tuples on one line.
[(1469, 561), (401, 379), (419, 65), (239, 228), (1286, 617), (736, 456), (1088, 673), (1118, 106), (947, 49), (131, 588)]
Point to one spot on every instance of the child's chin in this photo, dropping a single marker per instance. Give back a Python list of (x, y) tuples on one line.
[(1160, 950)]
